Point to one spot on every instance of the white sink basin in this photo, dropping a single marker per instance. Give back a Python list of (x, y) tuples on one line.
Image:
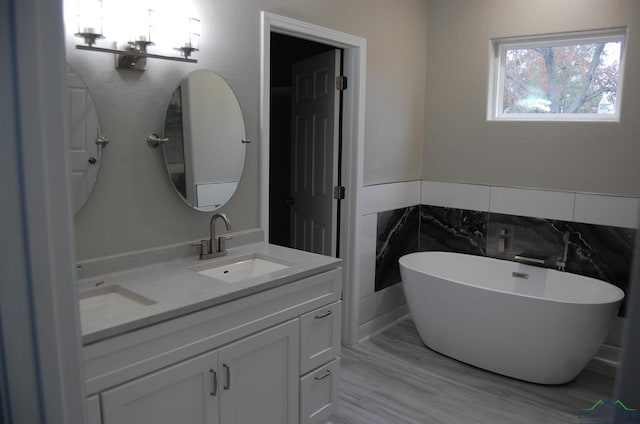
[(243, 269), (103, 304)]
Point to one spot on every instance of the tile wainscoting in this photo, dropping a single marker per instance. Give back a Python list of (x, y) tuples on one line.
[(453, 230), (396, 235), (467, 218)]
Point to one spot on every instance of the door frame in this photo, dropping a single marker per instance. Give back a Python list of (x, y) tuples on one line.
[(41, 372), (352, 152)]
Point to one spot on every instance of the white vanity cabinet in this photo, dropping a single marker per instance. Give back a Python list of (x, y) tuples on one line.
[(319, 363), (217, 386), (236, 363)]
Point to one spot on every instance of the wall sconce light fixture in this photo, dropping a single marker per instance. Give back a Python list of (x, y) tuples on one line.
[(135, 55), (89, 21), (192, 41)]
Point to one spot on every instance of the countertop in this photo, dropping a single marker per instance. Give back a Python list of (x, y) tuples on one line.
[(176, 288)]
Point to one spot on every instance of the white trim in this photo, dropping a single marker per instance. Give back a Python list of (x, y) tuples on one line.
[(456, 195), (607, 360), (562, 38), (572, 206), (382, 322), (387, 197), (497, 60), (532, 203), (353, 144), (607, 210), (41, 365)]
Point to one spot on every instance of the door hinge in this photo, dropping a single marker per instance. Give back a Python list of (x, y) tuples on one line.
[(341, 82), (338, 192)]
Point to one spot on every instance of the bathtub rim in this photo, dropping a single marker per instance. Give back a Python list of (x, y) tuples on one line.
[(618, 299)]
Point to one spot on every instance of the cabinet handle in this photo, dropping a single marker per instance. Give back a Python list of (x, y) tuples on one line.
[(326, 314), (227, 384), (214, 382), (325, 375)]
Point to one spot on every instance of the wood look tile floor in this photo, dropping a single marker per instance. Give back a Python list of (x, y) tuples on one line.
[(394, 378)]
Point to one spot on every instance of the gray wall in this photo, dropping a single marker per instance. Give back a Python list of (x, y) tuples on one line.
[(461, 146), (133, 205)]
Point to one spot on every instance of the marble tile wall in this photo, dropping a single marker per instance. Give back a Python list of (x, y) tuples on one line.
[(466, 218), (453, 230), (598, 251), (397, 235)]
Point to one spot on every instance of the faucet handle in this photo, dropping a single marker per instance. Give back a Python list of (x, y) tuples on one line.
[(204, 246), (221, 241)]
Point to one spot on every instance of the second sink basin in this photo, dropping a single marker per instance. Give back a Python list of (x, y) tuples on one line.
[(104, 304), (244, 268)]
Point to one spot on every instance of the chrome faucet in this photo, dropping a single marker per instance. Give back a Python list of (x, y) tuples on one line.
[(219, 242), (215, 246), (559, 262)]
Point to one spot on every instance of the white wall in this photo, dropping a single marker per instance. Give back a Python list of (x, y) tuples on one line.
[(461, 146), (133, 205)]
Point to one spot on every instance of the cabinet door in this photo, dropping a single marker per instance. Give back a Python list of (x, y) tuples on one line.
[(93, 410), (181, 394), (259, 377)]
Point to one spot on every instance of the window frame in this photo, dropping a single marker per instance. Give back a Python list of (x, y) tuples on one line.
[(499, 47)]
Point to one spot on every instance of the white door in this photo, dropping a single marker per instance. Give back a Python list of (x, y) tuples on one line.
[(315, 109), (185, 393), (259, 377), (83, 131)]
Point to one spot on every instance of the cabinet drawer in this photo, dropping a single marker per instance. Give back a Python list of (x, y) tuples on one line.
[(319, 393), (320, 336)]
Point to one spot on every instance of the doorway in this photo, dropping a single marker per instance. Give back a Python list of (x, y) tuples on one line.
[(354, 64), (304, 144)]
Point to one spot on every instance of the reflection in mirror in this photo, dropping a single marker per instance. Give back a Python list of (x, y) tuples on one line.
[(85, 140), (206, 148)]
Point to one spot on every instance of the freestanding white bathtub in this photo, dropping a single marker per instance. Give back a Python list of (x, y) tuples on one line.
[(531, 323)]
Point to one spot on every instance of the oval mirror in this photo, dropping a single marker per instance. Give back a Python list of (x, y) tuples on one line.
[(85, 140), (204, 146)]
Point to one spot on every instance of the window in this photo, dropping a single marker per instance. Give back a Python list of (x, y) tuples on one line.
[(566, 77)]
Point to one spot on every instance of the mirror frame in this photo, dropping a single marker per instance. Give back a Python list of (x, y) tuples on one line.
[(83, 122), (218, 129)]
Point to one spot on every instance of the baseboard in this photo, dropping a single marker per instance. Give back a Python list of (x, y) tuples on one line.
[(382, 322), (607, 360)]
